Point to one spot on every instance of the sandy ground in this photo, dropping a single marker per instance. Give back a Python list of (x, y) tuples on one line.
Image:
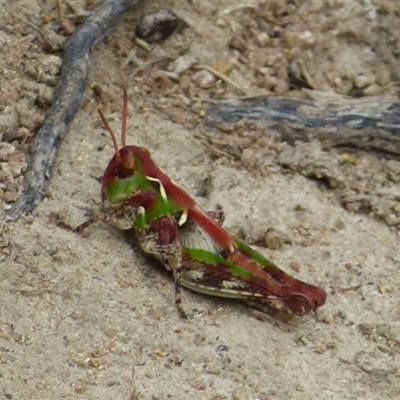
[(92, 318)]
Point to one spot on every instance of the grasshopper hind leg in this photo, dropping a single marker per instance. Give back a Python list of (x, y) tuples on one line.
[(160, 239), (178, 298)]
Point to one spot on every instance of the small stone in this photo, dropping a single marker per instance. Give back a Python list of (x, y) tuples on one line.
[(238, 43), (348, 266), (340, 224), (306, 39), (10, 197), (361, 81), (45, 69), (279, 8), (16, 157), (372, 90), (197, 107), (248, 158), (221, 22), (241, 393), (8, 124), (111, 332), (204, 79), (281, 86), (290, 39), (294, 265), (16, 168), (6, 150), (273, 241), (347, 158), (223, 66), (77, 315), (301, 207), (158, 26), (45, 95), (225, 127), (183, 63), (305, 226), (320, 348), (272, 59), (80, 389), (392, 220), (95, 362), (50, 64), (382, 76), (53, 40), (263, 39), (383, 289)]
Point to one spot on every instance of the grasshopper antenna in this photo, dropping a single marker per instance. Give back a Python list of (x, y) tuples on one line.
[(113, 137), (124, 119)]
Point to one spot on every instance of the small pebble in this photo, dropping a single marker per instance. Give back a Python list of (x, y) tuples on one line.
[(290, 39), (320, 348), (272, 59), (392, 219), (158, 26), (111, 332), (6, 150), (295, 266), (204, 79), (248, 158), (383, 289), (241, 393), (361, 81), (372, 90), (263, 39), (223, 66), (382, 76), (281, 86), (238, 43), (306, 39), (183, 63), (272, 241), (340, 224), (348, 265), (221, 22)]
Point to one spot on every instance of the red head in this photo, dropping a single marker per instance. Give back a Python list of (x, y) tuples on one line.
[(128, 160), (123, 163)]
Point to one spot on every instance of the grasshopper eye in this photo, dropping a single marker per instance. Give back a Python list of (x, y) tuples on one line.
[(298, 304), (126, 166)]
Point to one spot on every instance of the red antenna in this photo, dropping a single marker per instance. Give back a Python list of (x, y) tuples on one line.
[(124, 119), (113, 136)]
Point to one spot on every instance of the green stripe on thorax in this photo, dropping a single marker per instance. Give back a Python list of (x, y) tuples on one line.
[(119, 190)]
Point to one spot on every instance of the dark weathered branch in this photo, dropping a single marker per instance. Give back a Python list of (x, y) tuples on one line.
[(68, 98), (369, 123)]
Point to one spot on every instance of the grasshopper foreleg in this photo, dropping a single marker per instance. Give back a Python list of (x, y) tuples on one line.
[(160, 239)]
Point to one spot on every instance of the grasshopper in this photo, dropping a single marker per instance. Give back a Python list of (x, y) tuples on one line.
[(190, 242)]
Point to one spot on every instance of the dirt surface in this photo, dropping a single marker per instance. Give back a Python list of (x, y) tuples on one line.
[(92, 318)]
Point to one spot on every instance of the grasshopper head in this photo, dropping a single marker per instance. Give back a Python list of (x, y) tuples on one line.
[(123, 164), (312, 298), (298, 298), (287, 306), (120, 181)]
